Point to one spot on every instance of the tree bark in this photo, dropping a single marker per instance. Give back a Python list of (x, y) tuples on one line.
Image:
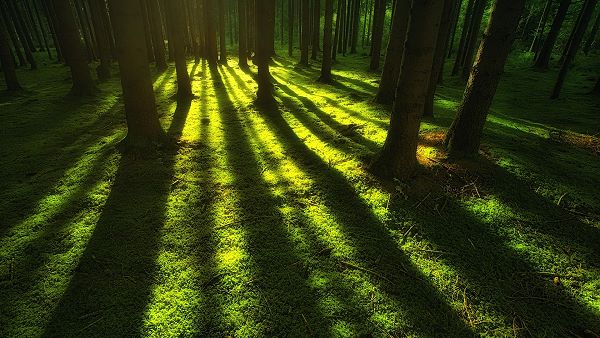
[(305, 33), (586, 10), (222, 37), (264, 95), (464, 136), (211, 32), (590, 40), (158, 38), (73, 49), (398, 156), (316, 29), (395, 50), (439, 56), (463, 38), (22, 33), (539, 31), (143, 127), (290, 27), (543, 58), (243, 39), (103, 69), (177, 22), (338, 25), (7, 60), (376, 40), (473, 36), (326, 63)]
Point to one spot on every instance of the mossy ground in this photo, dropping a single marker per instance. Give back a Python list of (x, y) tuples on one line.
[(259, 222)]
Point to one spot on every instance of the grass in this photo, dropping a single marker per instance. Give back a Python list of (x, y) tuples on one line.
[(266, 223)]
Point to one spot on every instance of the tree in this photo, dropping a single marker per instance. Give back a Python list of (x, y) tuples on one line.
[(22, 33), (143, 126), (543, 57), (222, 40), (326, 63), (305, 33), (290, 27), (472, 36), (73, 49), (398, 156), (243, 35), (101, 31), (578, 31), (464, 135), (395, 50), (177, 22), (376, 40), (539, 32), (316, 29), (463, 38), (264, 95), (156, 30), (7, 59), (210, 32), (590, 40)]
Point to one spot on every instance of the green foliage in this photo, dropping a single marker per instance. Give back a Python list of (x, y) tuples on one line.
[(265, 222)]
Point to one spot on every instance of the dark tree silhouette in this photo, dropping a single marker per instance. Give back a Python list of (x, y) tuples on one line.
[(543, 57), (177, 22), (7, 60), (326, 64), (376, 40), (264, 95), (305, 38)]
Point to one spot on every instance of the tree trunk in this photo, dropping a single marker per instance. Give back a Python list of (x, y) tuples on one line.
[(454, 18), (243, 38), (395, 51), (573, 32), (464, 136), (539, 32), (264, 95), (596, 89), (326, 65), (543, 58), (143, 127), (211, 32), (305, 33), (290, 27), (22, 33), (42, 31), (590, 40), (439, 56), (376, 40), (463, 38), (51, 18), (177, 22), (14, 38), (355, 26), (222, 37), (73, 49), (103, 69), (156, 30), (473, 36), (316, 29), (7, 60), (398, 156), (586, 10), (336, 36)]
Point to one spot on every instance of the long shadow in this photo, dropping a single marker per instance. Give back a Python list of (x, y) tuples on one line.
[(428, 314), (500, 277), (286, 298), (110, 288)]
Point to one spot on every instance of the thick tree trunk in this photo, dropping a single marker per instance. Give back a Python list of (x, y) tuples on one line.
[(398, 156), (376, 40), (156, 31), (211, 32), (103, 69), (464, 136), (473, 36), (464, 34), (326, 64), (305, 33), (143, 127), (543, 58), (395, 51), (539, 31), (177, 23), (439, 56), (222, 37), (243, 38), (264, 95), (73, 49), (7, 60), (591, 38), (587, 10)]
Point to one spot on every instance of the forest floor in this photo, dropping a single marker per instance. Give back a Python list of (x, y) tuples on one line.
[(266, 222)]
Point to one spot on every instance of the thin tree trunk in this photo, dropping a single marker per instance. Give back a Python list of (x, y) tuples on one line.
[(336, 36), (573, 32), (590, 40), (222, 37), (305, 33), (464, 136), (398, 156), (143, 127), (316, 29), (378, 23), (210, 31), (103, 69), (543, 58), (156, 31), (290, 27), (41, 23), (23, 35), (51, 17), (264, 95), (14, 38), (463, 38), (326, 65), (177, 22), (587, 10), (395, 51), (7, 60), (455, 16), (243, 39), (539, 31), (473, 37), (73, 49)]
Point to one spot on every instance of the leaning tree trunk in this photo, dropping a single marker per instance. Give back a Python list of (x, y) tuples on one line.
[(22, 33), (177, 21), (398, 157), (590, 40), (143, 127), (587, 10), (539, 32), (464, 136), (393, 56), (326, 63), (103, 69), (7, 59), (305, 33), (439, 56), (378, 23), (73, 49), (264, 95), (243, 35), (543, 58)]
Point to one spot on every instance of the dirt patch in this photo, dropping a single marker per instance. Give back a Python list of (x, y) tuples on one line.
[(586, 142)]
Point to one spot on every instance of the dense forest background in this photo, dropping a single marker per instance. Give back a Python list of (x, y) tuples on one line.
[(250, 168)]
